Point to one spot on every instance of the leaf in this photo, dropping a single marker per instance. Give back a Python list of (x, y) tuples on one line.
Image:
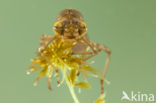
[(82, 85)]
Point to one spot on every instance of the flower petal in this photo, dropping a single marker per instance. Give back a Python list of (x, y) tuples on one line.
[(73, 75), (90, 69), (82, 85)]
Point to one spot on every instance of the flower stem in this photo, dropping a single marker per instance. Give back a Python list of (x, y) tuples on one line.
[(71, 88)]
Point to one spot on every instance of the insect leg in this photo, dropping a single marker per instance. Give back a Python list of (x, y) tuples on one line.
[(96, 49), (56, 70), (48, 82), (102, 47), (105, 49), (57, 75), (81, 53), (45, 41)]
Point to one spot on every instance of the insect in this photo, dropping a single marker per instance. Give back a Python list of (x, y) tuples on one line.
[(68, 51)]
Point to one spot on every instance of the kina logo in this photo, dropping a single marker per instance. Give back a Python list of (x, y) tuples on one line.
[(138, 96)]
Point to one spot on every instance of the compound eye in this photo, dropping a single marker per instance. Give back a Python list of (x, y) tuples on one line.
[(83, 28), (58, 29)]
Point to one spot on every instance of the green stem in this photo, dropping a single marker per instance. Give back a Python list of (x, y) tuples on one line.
[(71, 88)]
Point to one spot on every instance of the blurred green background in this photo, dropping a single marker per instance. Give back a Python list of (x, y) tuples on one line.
[(127, 27)]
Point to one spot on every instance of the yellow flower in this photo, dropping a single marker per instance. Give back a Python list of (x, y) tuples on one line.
[(58, 55)]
